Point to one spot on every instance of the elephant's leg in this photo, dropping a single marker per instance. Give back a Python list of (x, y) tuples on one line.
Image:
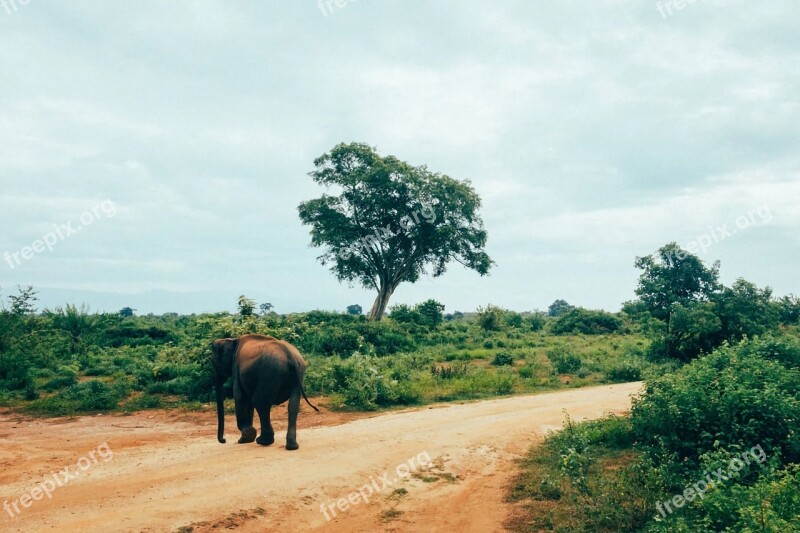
[(267, 433), (294, 408), (244, 420)]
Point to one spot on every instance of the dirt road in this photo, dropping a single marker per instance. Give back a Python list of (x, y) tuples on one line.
[(441, 468)]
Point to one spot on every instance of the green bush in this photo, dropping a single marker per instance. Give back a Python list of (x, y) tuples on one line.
[(84, 397), (528, 371), (588, 322), (386, 339), (536, 321), (144, 401), (15, 371), (734, 398), (624, 371), (503, 359), (335, 340), (513, 319), (563, 360), (363, 383), (481, 384), (60, 382), (490, 318)]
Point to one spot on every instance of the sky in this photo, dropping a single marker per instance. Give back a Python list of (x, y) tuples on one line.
[(153, 154)]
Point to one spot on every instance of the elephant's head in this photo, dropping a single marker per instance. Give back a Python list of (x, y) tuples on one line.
[(223, 352)]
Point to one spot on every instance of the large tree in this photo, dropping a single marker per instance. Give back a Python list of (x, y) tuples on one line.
[(384, 222)]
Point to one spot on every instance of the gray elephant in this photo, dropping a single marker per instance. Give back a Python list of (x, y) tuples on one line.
[(266, 372)]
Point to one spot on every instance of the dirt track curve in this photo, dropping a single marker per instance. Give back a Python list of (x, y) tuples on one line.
[(168, 474)]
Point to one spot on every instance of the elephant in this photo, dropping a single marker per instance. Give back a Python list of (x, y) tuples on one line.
[(266, 372)]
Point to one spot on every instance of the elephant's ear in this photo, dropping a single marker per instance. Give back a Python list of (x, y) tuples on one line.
[(223, 354), (230, 353)]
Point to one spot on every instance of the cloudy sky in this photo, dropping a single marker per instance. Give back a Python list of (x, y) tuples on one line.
[(165, 146)]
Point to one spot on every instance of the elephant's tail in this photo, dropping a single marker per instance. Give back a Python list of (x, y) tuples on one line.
[(298, 372), (306, 398)]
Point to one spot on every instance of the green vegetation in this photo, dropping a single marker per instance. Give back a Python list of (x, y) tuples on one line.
[(68, 361), (731, 410), (616, 474), (688, 312)]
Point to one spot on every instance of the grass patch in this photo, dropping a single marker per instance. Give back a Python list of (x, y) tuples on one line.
[(583, 478)]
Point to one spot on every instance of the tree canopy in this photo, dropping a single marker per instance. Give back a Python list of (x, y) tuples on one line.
[(673, 276), (385, 222)]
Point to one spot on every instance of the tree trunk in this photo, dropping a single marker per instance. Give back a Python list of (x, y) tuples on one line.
[(376, 313)]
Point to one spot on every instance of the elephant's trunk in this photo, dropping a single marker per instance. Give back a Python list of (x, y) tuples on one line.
[(220, 410)]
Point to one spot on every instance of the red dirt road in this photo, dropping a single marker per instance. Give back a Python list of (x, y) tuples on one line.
[(168, 472)]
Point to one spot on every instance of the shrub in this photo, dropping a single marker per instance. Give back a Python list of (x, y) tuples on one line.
[(14, 371), (624, 371), (404, 314), (60, 382), (733, 398), (503, 359), (490, 318), (393, 392), (430, 312), (579, 320), (536, 321), (89, 396), (455, 370), (335, 340), (356, 380), (772, 504), (485, 383), (528, 371), (513, 319), (427, 314), (144, 401), (387, 339), (563, 360)]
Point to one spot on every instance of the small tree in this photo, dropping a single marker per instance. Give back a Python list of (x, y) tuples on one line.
[(671, 278), (354, 309), (746, 311), (23, 303), (404, 314), (513, 319), (265, 308), (126, 312), (246, 306), (430, 312), (536, 321), (490, 318), (558, 308), (392, 222), (789, 310)]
